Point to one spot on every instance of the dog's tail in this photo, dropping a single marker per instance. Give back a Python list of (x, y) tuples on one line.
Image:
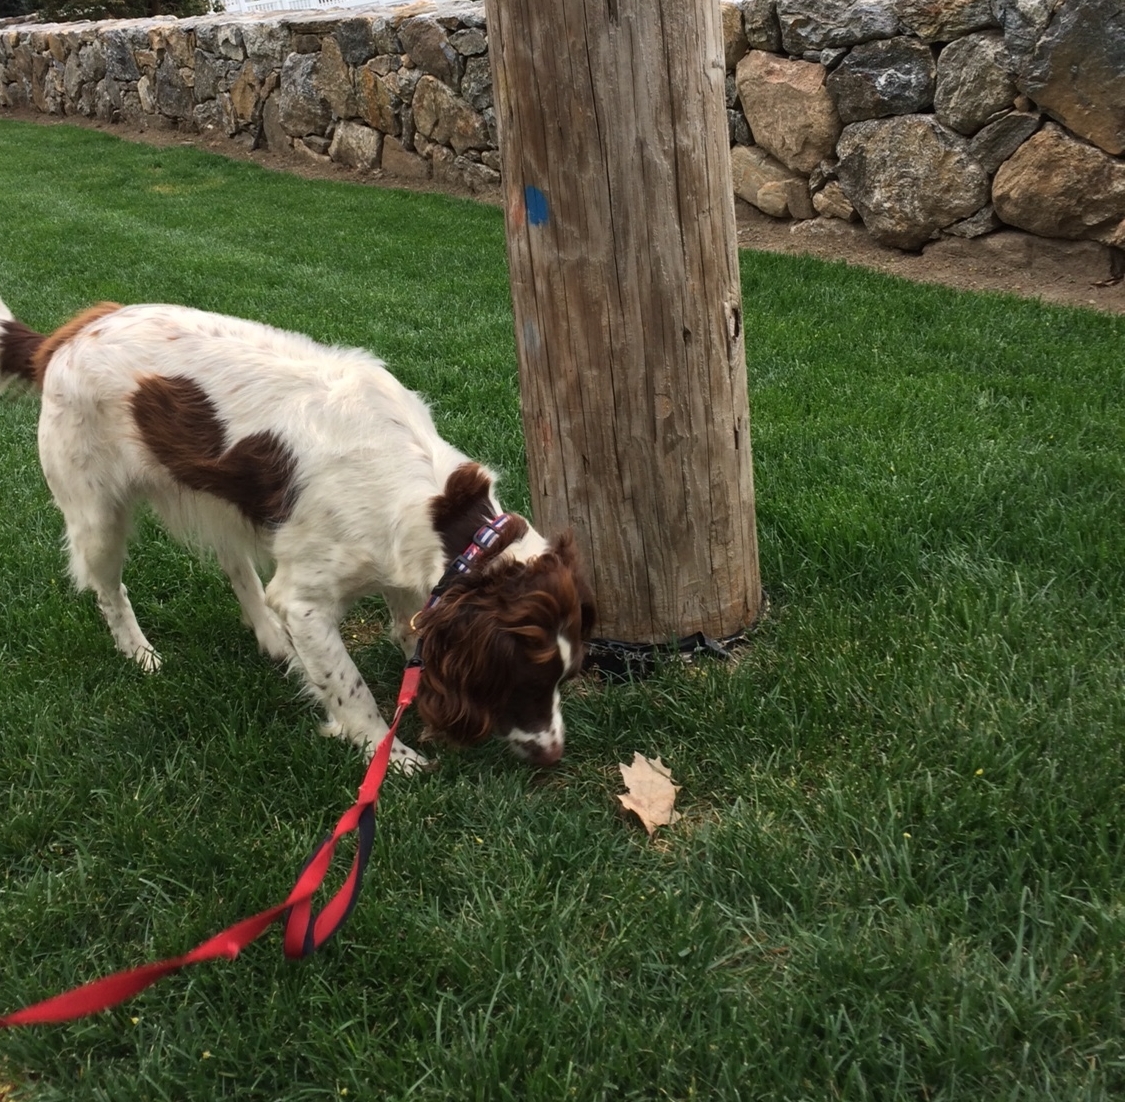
[(18, 347)]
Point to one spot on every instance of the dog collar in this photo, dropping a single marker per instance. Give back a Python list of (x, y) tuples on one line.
[(484, 539)]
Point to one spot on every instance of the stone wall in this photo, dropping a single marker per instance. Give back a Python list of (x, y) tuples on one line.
[(924, 118), (932, 117)]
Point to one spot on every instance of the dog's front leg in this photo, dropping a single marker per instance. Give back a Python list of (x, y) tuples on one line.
[(332, 676)]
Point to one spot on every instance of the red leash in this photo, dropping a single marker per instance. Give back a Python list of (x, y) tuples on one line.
[(304, 933)]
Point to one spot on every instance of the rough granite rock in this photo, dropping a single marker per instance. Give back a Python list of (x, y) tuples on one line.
[(768, 185), (973, 82), (443, 117), (894, 76), (1076, 71), (787, 105), (944, 20), (302, 108), (1057, 186), (814, 25), (909, 177), (995, 143), (356, 145)]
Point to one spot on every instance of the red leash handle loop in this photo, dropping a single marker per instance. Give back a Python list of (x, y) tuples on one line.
[(304, 934)]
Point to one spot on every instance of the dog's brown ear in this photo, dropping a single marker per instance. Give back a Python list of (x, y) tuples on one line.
[(464, 676), (566, 550), (587, 609)]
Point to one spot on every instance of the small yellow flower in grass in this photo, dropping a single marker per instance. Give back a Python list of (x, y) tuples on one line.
[(135, 1021), (906, 833), (206, 1055), (979, 773)]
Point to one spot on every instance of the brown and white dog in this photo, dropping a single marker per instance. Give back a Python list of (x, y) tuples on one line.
[(267, 447)]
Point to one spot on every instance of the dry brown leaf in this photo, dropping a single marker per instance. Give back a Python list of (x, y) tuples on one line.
[(651, 792)]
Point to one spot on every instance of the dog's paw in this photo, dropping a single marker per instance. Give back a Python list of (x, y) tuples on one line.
[(330, 728), (408, 761), (280, 650), (147, 659), (273, 640)]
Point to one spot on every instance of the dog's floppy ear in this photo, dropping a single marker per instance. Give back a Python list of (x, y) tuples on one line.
[(566, 550), (466, 668), (587, 608)]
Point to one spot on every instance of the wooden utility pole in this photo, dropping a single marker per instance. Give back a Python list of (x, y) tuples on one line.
[(623, 260)]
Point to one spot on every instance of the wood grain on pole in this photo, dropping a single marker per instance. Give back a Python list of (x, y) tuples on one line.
[(623, 260)]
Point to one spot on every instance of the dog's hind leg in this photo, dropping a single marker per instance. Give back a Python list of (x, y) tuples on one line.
[(97, 538), (256, 614)]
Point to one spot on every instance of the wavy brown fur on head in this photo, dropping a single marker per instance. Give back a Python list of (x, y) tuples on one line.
[(491, 646)]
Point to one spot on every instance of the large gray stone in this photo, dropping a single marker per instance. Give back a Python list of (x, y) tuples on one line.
[(207, 117), (119, 61), (107, 101), (831, 202), (909, 177), (387, 40), (273, 133), (173, 95), (894, 76), (734, 35), (973, 82), (809, 26), (356, 38), (230, 43), (173, 40), (1076, 71), (427, 43), (1023, 21), (334, 79), (146, 92), (72, 77), (209, 75), (476, 84), (984, 221), (302, 108), (246, 94), (398, 161), (760, 24), (265, 40), (91, 60), (1046, 260), (995, 143), (469, 42)]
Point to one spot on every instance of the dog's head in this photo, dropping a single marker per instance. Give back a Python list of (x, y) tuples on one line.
[(497, 646)]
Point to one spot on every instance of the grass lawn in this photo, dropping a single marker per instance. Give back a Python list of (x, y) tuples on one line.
[(900, 874)]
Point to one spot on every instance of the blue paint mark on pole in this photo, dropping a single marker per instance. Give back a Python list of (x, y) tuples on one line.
[(536, 203)]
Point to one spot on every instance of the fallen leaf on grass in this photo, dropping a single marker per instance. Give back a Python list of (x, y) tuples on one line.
[(651, 792)]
